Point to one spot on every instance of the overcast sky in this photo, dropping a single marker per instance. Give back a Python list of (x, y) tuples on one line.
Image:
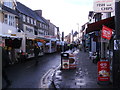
[(65, 14)]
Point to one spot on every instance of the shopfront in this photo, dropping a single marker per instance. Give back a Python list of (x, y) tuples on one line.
[(105, 45)]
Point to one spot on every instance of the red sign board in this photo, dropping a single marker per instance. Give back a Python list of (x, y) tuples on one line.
[(106, 32), (103, 71)]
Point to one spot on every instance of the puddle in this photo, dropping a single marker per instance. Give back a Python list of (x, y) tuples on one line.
[(58, 77), (58, 72)]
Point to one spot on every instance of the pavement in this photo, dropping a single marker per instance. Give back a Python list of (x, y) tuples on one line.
[(84, 76)]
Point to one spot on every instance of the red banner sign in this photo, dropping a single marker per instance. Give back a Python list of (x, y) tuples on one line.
[(106, 32), (103, 71)]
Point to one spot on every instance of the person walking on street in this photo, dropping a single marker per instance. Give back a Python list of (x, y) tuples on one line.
[(36, 52), (5, 63), (80, 47)]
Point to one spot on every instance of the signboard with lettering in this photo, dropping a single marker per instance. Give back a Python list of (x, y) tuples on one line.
[(104, 5), (106, 32), (103, 71)]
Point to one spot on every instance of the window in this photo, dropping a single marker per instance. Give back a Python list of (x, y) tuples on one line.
[(5, 18), (34, 22), (24, 18), (28, 21), (35, 32), (8, 3), (31, 21), (9, 19), (40, 24), (43, 26)]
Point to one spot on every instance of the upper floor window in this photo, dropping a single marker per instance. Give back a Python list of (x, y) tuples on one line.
[(9, 19), (24, 18), (28, 21), (40, 25), (5, 18), (31, 21), (9, 3), (46, 27), (34, 22)]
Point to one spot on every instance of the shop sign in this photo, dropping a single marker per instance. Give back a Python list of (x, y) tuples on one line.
[(104, 5), (13, 34), (103, 71), (106, 32)]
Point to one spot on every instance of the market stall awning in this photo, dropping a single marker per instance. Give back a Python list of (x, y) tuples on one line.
[(39, 43), (9, 36), (97, 26)]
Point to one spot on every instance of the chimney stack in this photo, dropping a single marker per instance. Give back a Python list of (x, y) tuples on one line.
[(39, 12)]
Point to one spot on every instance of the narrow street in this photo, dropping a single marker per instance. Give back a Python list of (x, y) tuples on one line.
[(28, 75), (54, 44)]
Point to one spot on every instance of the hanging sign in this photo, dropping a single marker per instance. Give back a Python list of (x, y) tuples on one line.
[(106, 32), (103, 5), (103, 71)]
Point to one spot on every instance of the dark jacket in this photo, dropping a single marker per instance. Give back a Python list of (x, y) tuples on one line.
[(5, 58), (36, 50)]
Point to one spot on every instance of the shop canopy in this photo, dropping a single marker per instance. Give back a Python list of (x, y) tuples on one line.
[(97, 26)]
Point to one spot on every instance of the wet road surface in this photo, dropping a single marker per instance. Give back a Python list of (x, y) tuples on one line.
[(28, 75)]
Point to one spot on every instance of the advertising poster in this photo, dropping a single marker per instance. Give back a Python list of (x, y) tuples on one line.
[(103, 71), (65, 63), (72, 62)]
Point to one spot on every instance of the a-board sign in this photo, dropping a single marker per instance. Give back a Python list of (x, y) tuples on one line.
[(103, 71)]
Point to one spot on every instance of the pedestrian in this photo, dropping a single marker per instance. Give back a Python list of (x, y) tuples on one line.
[(36, 52), (80, 47), (5, 63)]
